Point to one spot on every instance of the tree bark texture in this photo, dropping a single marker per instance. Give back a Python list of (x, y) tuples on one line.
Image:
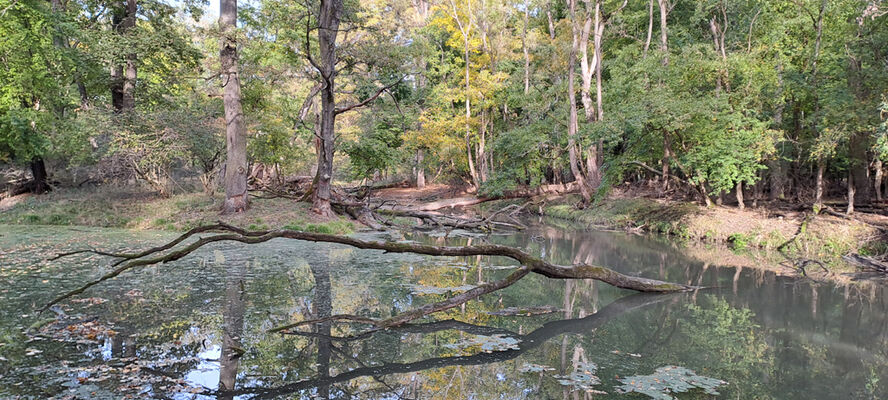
[(236, 171)]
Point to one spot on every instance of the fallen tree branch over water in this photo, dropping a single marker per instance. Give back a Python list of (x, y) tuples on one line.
[(528, 263)]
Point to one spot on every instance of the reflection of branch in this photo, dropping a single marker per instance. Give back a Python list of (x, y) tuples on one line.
[(450, 324), (528, 262), (526, 342)]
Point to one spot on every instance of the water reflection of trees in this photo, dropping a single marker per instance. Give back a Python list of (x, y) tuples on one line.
[(815, 336), (323, 381)]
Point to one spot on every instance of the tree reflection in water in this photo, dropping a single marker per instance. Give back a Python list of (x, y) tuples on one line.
[(325, 342), (232, 327)]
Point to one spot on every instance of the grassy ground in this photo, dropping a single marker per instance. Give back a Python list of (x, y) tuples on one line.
[(132, 208), (820, 237)]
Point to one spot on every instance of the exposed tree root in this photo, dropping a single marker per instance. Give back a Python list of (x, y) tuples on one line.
[(529, 263)]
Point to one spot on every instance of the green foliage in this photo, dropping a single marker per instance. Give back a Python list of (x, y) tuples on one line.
[(378, 150), (31, 71), (739, 241)]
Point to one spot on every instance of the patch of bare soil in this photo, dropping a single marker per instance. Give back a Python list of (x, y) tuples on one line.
[(9, 202)]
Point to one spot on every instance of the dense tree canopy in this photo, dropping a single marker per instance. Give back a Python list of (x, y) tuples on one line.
[(777, 99)]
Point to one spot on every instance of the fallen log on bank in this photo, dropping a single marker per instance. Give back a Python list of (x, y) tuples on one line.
[(528, 263)]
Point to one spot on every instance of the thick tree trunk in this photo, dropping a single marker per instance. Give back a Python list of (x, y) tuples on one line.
[(38, 171), (236, 199), (877, 180), (129, 72), (328, 27), (123, 76)]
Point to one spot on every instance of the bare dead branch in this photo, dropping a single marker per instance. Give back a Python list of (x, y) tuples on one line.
[(369, 99), (528, 262)]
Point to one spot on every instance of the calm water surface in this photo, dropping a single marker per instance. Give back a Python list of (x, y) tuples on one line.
[(196, 328)]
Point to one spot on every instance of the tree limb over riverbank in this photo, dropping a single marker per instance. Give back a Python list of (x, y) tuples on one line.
[(528, 263)]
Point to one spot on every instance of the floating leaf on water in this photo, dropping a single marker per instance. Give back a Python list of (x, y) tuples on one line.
[(667, 380), (583, 377)]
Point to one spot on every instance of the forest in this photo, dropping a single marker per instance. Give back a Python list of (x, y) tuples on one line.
[(759, 100), (423, 199)]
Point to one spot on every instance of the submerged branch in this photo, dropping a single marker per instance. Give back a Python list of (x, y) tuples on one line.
[(528, 262)]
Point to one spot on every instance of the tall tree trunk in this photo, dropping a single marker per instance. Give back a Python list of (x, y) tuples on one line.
[(877, 181), (595, 175), (465, 29), (129, 73), (236, 198), (328, 27), (821, 162), (572, 125), (650, 31), (587, 71), (664, 43), (524, 48)]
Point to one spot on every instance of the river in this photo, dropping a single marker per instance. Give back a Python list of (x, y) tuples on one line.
[(196, 328)]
